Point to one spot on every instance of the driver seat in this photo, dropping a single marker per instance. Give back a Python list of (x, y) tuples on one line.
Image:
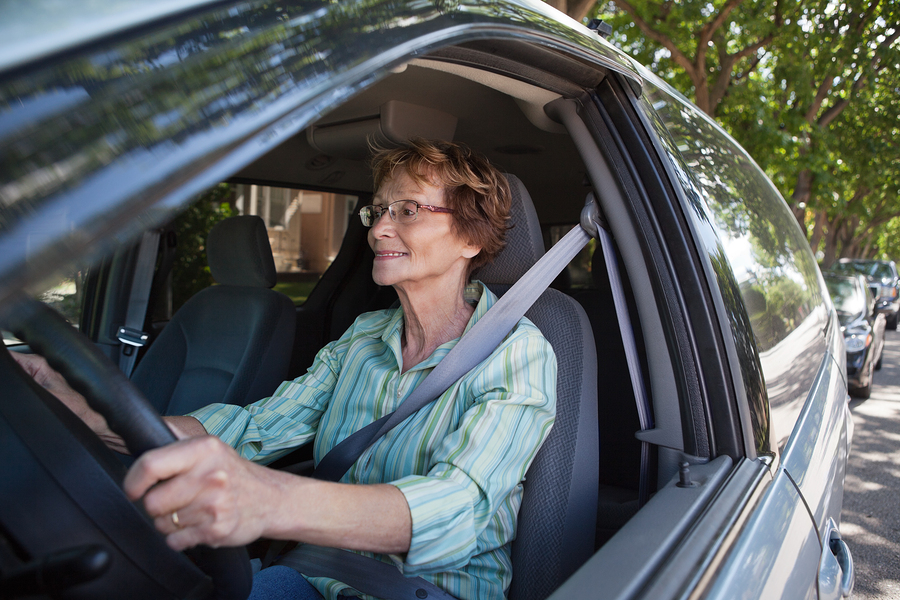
[(556, 527), (229, 343)]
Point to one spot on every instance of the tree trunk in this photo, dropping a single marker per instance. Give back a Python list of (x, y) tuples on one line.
[(849, 241), (818, 230), (577, 9), (831, 242), (800, 197)]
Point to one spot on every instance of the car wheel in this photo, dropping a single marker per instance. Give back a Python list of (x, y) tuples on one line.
[(865, 391), (83, 503)]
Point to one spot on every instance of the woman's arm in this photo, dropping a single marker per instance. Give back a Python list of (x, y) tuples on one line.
[(45, 376), (224, 500)]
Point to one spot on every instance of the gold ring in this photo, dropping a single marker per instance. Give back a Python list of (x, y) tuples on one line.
[(175, 520)]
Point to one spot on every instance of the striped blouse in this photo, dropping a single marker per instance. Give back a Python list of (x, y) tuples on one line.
[(460, 461)]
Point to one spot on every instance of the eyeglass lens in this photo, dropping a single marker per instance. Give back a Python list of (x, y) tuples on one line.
[(402, 211)]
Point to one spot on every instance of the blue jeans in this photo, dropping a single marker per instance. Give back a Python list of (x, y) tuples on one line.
[(283, 583)]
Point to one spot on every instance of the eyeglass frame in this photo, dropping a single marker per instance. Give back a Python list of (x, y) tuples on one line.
[(387, 209)]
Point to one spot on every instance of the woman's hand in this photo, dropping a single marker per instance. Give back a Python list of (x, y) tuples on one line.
[(45, 376), (199, 491), (50, 379)]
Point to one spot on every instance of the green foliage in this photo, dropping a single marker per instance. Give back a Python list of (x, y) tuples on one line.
[(190, 272), (811, 93)]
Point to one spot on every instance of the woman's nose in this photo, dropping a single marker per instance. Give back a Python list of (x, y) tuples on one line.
[(383, 224)]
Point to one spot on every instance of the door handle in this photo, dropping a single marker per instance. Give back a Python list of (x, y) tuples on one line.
[(836, 575)]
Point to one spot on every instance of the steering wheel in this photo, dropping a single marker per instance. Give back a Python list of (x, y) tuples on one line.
[(88, 474)]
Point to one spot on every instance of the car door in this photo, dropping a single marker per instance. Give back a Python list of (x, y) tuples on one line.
[(800, 348)]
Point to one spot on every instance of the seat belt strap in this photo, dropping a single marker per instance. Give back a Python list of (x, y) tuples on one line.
[(362, 573), (472, 349), (645, 416), (131, 335)]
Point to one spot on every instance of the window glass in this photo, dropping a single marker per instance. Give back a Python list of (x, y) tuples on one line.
[(66, 296), (758, 239), (305, 230), (880, 270)]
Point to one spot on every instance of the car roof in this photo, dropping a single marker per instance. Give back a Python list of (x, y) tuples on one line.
[(83, 169), (33, 30)]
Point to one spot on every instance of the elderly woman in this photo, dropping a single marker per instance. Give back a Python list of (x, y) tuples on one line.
[(438, 495)]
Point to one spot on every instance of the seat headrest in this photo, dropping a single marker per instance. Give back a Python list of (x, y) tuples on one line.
[(524, 242), (238, 252)]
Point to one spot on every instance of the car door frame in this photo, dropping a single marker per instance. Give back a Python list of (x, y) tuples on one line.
[(732, 519)]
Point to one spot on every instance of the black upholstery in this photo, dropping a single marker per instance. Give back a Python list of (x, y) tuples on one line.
[(556, 522), (231, 342)]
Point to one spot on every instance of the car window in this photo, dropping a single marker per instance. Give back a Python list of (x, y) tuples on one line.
[(879, 270), (66, 295), (849, 299), (305, 232), (764, 248)]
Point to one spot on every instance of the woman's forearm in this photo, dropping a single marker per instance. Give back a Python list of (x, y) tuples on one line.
[(374, 518)]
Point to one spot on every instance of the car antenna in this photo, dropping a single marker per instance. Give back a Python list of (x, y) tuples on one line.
[(600, 27)]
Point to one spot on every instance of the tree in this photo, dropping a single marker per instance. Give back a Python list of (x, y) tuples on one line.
[(702, 48), (801, 86)]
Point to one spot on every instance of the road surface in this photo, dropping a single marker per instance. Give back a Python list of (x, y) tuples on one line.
[(871, 513)]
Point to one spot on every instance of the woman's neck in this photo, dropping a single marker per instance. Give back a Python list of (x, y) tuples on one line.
[(431, 319)]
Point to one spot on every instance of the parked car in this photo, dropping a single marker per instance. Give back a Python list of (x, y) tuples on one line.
[(722, 419), (883, 281), (863, 328)]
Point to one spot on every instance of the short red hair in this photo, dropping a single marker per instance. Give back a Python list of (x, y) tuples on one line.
[(476, 191)]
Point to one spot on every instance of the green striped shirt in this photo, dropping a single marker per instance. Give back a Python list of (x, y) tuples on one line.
[(460, 461)]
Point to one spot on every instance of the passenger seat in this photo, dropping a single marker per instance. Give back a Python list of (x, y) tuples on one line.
[(231, 342)]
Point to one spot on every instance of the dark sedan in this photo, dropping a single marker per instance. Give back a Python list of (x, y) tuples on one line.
[(863, 328), (882, 280)]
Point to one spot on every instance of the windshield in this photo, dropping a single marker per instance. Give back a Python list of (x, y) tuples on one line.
[(848, 298), (876, 269)]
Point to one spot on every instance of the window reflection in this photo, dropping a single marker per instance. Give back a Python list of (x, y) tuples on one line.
[(763, 248)]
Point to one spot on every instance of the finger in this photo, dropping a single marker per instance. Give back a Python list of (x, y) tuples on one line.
[(199, 487), (165, 463), (30, 363), (188, 537)]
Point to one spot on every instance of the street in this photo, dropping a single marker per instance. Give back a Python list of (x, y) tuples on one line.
[(871, 513)]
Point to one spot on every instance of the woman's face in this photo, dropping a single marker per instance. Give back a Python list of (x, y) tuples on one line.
[(420, 254)]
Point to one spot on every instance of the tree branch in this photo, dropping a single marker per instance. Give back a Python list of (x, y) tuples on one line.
[(711, 27), (677, 55), (875, 65)]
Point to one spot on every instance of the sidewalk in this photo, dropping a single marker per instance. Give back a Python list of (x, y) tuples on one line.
[(871, 513)]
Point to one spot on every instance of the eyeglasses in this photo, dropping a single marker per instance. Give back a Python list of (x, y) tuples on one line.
[(402, 211)]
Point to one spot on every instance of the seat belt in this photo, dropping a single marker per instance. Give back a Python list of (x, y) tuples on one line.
[(131, 335), (645, 416), (362, 573), (472, 349)]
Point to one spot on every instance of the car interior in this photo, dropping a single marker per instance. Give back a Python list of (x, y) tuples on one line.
[(584, 486)]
